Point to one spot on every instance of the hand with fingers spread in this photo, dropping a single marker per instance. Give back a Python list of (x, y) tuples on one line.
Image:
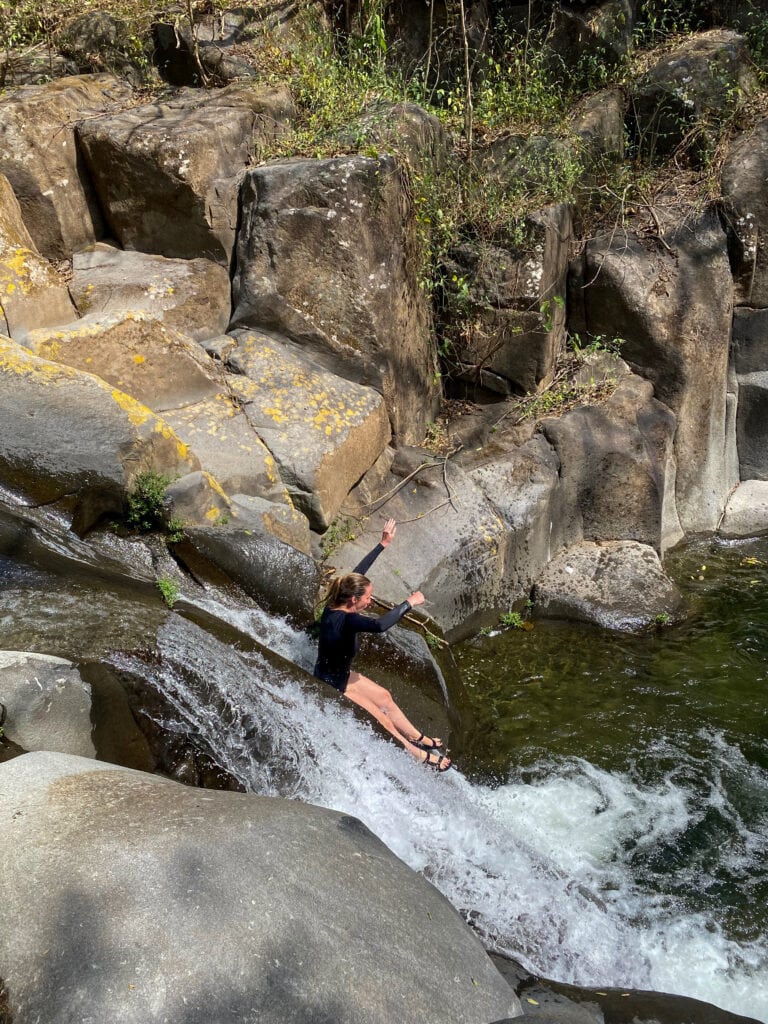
[(388, 535)]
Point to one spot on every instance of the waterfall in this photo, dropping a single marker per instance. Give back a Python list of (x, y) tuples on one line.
[(540, 866)]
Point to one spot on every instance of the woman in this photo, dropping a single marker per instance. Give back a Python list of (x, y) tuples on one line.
[(340, 623)]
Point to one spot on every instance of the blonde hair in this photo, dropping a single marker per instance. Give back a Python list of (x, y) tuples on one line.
[(344, 588)]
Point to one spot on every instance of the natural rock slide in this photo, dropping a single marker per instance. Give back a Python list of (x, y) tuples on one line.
[(256, 332)]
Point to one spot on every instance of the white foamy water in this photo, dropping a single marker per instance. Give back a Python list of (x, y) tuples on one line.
[(543, 869)]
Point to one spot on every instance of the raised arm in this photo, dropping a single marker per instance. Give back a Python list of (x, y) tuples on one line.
[(387, 536)]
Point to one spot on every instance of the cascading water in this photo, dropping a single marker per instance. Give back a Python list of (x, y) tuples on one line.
[(545, 866), (623, 839)]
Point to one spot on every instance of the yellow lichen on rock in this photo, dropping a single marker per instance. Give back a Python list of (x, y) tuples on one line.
[(138, 414), (18, 360)]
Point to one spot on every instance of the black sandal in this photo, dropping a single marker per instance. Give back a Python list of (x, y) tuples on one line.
[(442, 764), (432, 745)]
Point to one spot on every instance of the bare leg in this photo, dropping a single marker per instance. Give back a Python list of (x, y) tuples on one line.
[(378, 702)]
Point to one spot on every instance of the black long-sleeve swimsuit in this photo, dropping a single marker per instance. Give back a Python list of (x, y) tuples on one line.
[(338, 633)]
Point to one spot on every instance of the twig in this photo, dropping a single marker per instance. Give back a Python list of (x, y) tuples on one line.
[(659, 228), (408, 617)]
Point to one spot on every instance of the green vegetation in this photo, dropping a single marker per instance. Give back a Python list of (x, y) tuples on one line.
[(168, 589), (146, 509), (174, 529), (507, 107), (338, 533), (513, 620)]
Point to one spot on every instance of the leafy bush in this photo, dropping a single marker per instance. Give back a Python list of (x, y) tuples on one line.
[(146, 509), (168, 589)]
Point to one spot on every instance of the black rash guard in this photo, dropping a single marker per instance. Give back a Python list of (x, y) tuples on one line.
[(338, 633)]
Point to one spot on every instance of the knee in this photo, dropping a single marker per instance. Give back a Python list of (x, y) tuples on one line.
[(385, 701)]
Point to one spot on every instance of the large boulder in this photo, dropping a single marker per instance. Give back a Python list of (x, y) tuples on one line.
[(277, 519), (40, 157), (617, 585), (32, 293), (324, 432), (689, 92), (600, 33), (223, 45), (192, 296), (743, 185), (47, 702), (617, 468), (167, 174), (521, 483), (221, 436), (325, 258), (597, 121), (516, 326), (749, 340), (451, 544), (134, 352), (403, 128), (68, 437), (97, 41), (256, 556), (144, 871), (668, 297), (746, 514)]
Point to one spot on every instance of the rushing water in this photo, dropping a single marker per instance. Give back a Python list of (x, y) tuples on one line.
[(610, 826)]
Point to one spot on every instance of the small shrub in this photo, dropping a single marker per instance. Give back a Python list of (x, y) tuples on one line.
[(175, 530), (146, 502), (337, 534), (512, 620), (168, 589)]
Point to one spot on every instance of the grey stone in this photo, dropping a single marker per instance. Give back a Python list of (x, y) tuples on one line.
[(67, 437), (749, 348), (689, 91), (752, 426), (745, 169), (602, 32), (670, 300), (598, 122), (167, 174), (97, 41), (325, 260), (324, 432), (57, 199), (517, 327), (191, 296), (279, 519), (218, 432), (47, 702), (32, 293), (280, 577), (617, 468), (617, 585), (746, 514), (132, 862), (155, 364), (197, 498), (406, 129), (521, 484)]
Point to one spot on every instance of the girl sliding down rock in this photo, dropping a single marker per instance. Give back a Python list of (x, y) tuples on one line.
[(340, 624)]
